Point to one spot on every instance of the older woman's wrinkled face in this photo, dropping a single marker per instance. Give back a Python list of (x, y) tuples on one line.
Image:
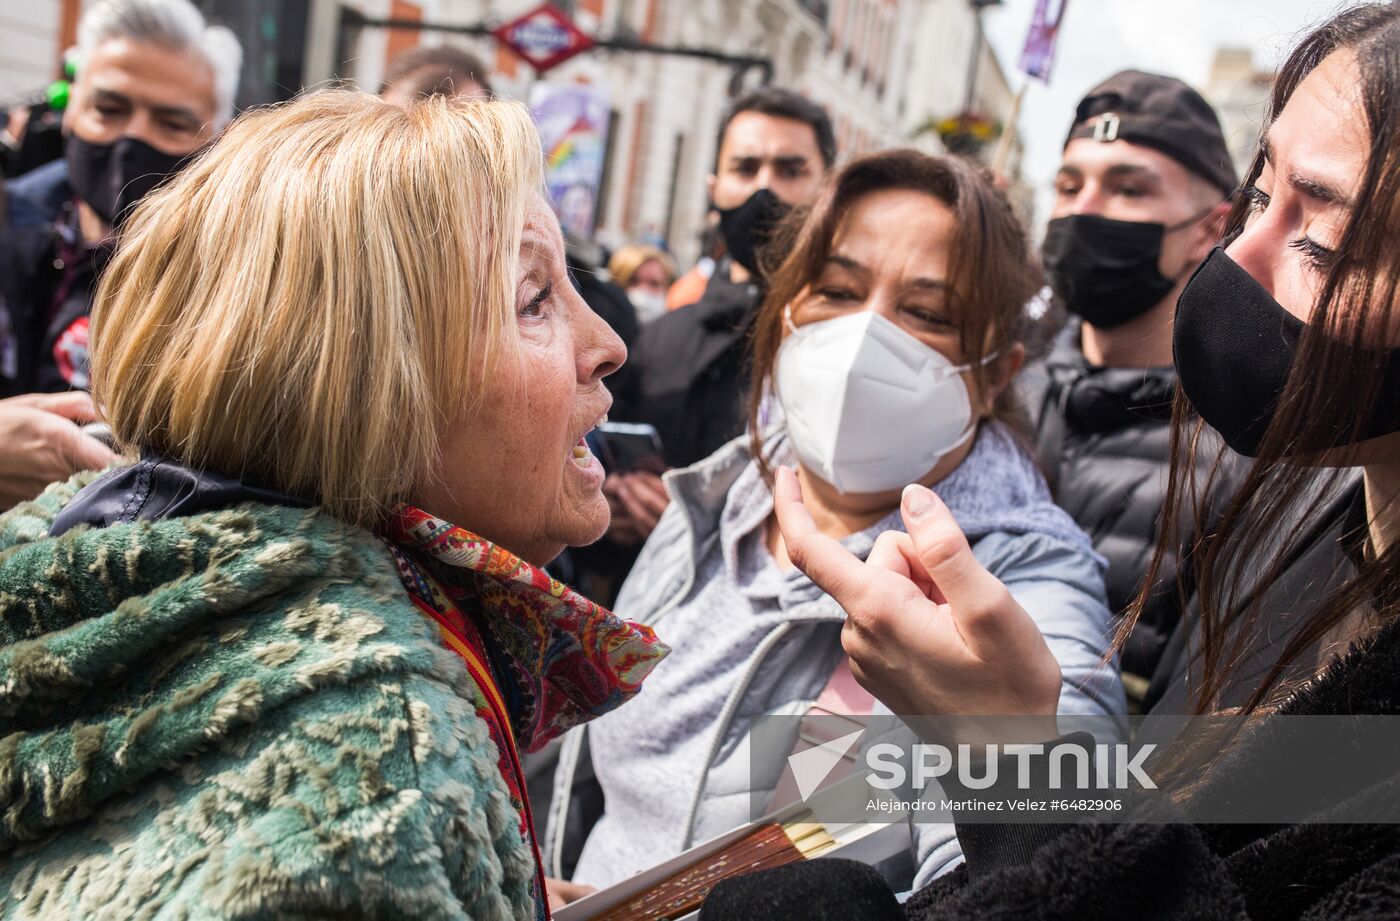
[(516, 471)]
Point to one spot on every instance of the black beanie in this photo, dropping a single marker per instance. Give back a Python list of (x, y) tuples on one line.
[(1162, 113)]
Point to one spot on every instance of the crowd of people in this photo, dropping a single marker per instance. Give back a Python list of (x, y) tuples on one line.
[(312, 417)]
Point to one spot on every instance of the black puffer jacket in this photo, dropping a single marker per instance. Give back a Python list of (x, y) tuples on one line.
[(1103, 439)]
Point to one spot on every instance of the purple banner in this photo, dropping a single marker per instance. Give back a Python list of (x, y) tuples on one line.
[(1039, 53)]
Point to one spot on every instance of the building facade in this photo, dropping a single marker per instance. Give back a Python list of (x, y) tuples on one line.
[(1239, 90), (886, 70), (883, 68), (31, 47)]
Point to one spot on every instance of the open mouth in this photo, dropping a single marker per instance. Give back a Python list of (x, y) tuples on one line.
[(583, 457)]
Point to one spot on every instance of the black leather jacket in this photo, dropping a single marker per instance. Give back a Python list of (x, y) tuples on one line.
[(156, 487)]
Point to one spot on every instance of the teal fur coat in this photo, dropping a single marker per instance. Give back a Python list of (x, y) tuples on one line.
[(237, 714)]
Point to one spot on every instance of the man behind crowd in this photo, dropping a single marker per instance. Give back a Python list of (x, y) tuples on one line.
[(1140, 199), (689, 376), (154, 84), (442, 70)]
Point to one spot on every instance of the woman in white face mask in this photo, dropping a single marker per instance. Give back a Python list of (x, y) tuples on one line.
[(645, 273), (883, 356)]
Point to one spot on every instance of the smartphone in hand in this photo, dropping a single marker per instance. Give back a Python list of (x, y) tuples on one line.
[(627, 447)]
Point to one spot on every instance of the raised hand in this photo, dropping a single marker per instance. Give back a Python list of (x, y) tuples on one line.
[(40, 442), (928, 630)]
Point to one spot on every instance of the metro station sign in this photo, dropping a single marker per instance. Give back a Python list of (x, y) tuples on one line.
[(545, 37)]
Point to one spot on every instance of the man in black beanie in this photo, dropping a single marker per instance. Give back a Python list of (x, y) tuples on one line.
[(1140, 199)]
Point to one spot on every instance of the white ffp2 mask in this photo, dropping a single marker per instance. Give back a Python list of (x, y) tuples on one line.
[(648, 304), (868, 407)]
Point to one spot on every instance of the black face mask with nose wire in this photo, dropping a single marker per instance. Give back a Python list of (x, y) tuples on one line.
[(748, 227), (112, 178), (1234, 345), (1105, 269)]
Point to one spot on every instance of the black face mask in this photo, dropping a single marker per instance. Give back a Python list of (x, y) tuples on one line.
[(112, 178), (1234, 345), (1106, 270), (748, 227)]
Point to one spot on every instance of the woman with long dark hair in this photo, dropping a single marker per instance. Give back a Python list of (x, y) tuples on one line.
[(1287, 342)]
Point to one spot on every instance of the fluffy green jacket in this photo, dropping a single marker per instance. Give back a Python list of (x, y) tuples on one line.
[(237, 714)]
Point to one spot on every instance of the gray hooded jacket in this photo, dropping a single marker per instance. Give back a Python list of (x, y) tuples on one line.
[(751, 641)]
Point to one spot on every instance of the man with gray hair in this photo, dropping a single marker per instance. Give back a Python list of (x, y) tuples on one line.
[(153, 79), (155, 84)]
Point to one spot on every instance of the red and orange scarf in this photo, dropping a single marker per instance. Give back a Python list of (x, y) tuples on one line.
[(544, 658)]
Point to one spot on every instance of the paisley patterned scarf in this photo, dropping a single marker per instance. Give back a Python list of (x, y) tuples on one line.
[(543, 657)]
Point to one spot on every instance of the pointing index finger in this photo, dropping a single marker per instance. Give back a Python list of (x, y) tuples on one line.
[(793, 518), (834, 568)]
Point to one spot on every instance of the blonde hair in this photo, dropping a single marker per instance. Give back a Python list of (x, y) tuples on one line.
[(309, 302), (628, 259)]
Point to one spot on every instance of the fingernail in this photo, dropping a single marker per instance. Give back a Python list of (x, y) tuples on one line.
[(918, 501)]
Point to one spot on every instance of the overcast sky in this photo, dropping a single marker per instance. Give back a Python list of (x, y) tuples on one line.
[(1101, 37)]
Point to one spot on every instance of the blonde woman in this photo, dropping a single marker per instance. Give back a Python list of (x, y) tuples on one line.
[(284, 664), (645, 273)]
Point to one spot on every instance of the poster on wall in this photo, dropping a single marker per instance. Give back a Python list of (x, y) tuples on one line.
[(573, 126)]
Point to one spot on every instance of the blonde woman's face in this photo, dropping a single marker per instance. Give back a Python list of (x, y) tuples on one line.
[(513, 471), (651, 276)]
